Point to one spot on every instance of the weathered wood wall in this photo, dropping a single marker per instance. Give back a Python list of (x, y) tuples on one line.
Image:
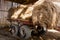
[(4, 7)]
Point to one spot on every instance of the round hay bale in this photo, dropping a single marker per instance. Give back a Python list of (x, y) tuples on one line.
[(45, 14)]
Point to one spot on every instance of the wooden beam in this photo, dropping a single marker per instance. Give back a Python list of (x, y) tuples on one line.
[(23, 1)]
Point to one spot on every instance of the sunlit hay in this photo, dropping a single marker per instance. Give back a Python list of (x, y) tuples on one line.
[(27, 13), (45, 14), (18, 12)]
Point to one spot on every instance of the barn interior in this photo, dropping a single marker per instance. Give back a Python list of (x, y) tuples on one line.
[(16, 20)]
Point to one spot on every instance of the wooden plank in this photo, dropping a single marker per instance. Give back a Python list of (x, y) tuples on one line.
[(22, 1)]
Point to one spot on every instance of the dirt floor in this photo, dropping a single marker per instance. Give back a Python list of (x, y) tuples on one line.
[(5, 35)]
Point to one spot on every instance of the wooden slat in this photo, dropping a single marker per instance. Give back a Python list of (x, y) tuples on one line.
[(23, 1)]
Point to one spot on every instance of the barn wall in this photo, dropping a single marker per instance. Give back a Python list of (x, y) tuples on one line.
[(4, 7)]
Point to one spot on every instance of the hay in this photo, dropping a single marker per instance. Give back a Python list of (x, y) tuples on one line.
[(45, 14)]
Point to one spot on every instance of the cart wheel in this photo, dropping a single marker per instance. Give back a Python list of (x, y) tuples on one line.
[(38, 32), (25, 31), (41, 30), (14, 30)]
